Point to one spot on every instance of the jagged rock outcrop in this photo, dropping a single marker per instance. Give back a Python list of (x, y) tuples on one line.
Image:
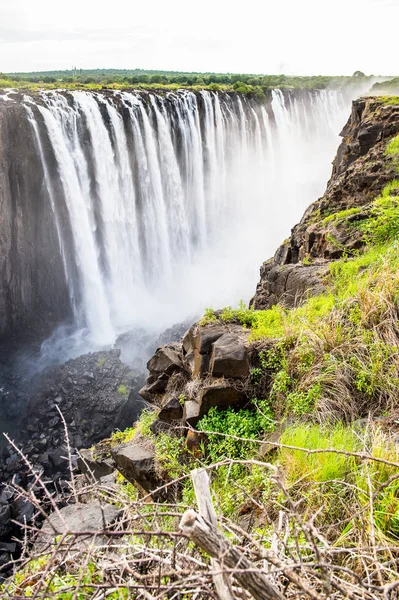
[(206, 369), (360, 171)]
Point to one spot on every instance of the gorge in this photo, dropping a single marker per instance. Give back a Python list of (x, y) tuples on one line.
[(134, 209), (125, 212)]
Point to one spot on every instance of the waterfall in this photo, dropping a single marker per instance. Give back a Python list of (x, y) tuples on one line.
[(173, 201)]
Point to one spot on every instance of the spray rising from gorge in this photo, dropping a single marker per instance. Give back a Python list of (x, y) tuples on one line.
[(164, 204)]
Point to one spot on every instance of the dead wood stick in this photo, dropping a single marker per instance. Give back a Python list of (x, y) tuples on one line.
[(208, 538), (206, 509)]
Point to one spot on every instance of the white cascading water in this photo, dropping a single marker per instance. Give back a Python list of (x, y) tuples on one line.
[(174, 201)]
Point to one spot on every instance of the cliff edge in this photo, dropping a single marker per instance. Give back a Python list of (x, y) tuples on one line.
[(361, 169)]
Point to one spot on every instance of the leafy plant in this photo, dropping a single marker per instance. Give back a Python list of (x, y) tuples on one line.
[(247, 423)]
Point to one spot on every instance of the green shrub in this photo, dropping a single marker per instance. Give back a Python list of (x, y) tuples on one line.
[(242, 314), (248, 423), (208, 318), (343, 214)]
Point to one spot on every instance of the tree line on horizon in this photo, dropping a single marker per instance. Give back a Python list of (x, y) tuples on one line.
[(142, 76)]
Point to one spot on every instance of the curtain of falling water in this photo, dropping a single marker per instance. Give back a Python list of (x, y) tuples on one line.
[(174, 201)]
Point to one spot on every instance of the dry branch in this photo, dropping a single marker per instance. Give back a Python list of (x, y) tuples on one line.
[(207, 537), (206, 509)]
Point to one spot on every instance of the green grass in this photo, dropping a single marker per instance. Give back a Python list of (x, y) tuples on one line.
[(389, 100), (383, 224), (122, 437), (338, 486), (64, 582), (343, 214), (393, 147), (318, 467)]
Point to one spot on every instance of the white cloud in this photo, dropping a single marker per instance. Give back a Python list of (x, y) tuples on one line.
[(291, 36)]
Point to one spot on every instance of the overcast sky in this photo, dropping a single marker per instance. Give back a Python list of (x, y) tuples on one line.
[(251, 36)]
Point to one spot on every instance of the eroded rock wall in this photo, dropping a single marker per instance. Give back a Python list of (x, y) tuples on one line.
[(33, 290)]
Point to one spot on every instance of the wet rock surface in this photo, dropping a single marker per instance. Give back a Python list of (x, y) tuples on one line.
[(95, 394), (33, 290)]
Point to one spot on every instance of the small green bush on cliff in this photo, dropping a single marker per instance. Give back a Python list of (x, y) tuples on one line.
[(248, 423)]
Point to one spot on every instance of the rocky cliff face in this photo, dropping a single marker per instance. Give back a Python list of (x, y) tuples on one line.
[(33, 291), (360, 171)]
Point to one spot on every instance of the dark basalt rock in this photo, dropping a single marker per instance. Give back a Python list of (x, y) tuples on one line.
[(211, 355), (288, 284), (93, 466), (229, 357), (206, 336), (166, 360), (95, 394), (137, 465), (191, 412), (172, 410), (75, 518)]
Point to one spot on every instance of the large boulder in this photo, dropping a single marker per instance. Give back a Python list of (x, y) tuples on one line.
[(75, 518), (165, 360), (229, 357), (288, 284), (138, 465), (197, 343), (172, 410), (94, 466), (191, 412), (221, 395)]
